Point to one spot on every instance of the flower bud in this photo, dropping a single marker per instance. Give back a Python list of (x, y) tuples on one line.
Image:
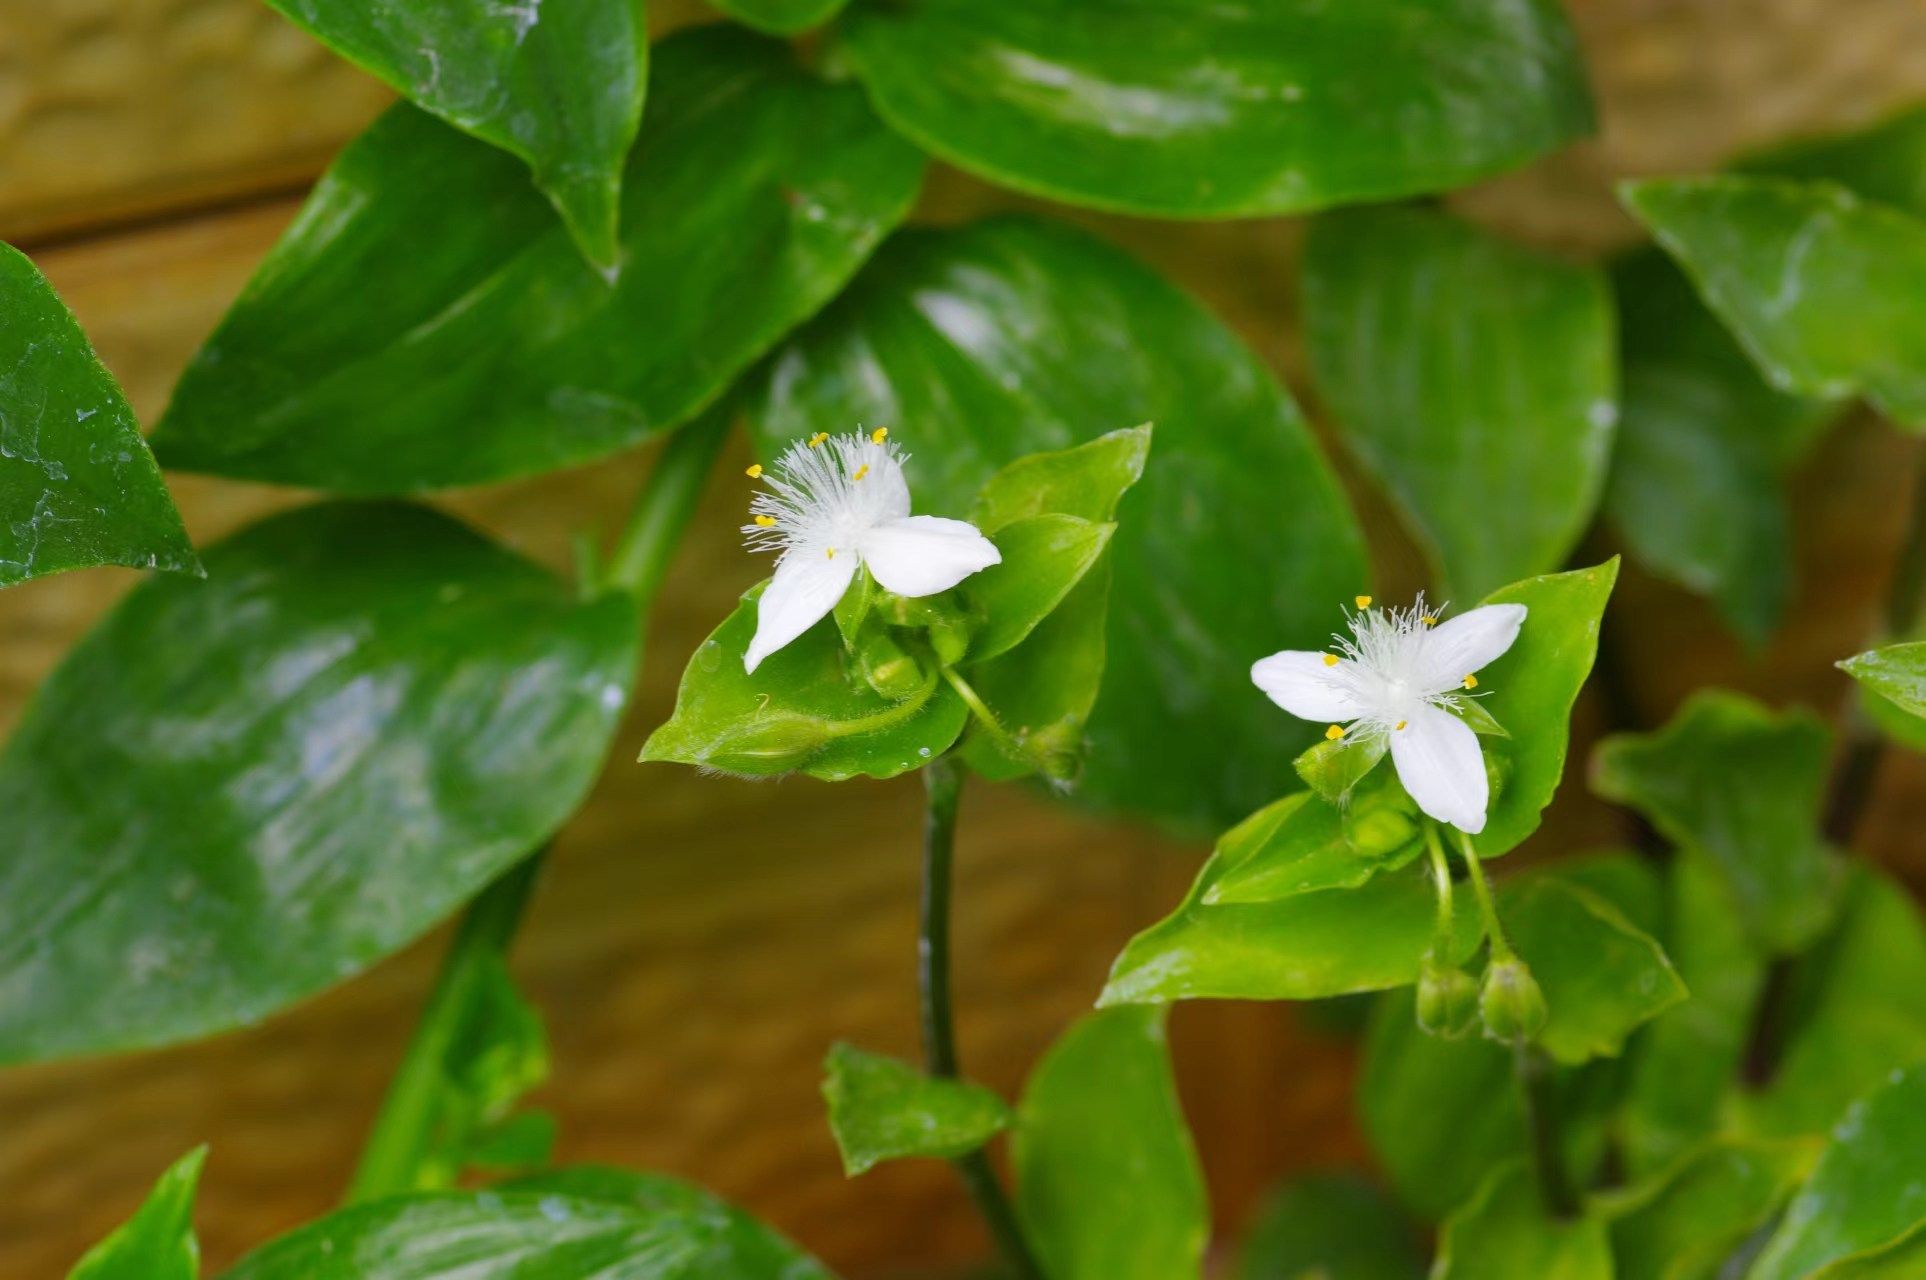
[(1056, 750), (768, 744), (1512, 1006), (1447, 998)]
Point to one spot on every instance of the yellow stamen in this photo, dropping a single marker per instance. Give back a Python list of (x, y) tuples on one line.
[(1330, 659), (1333, 733), (816, 441), (755, 471), (830, 554), (879, 435), (1429, 621), (861, 472), (766, 522), (1364, 602), (1471, 682), (1402, 724)]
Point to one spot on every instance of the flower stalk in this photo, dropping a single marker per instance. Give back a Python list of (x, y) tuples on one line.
[(943, 783)]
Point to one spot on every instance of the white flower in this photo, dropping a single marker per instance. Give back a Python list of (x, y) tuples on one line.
[(1397, 676), (834, 504)]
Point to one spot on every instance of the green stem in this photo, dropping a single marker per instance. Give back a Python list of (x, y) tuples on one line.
[(1500, 947), (403, 1132), (981, 710), (944, 784), (668, 499), (1444, 930), (1541, 1123)]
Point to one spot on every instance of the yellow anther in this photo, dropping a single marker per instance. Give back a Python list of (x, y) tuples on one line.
[(816, 441), (879, 435), (1471, 682), (830, 554), (1428, 620), (1364, 602), (861, 472), (1402, 724), (1333, 733), (755, 471), (1330, 659), (766, 522)]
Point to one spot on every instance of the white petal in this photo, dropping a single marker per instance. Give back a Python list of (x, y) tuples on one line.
[(1307, 686), (1459, 646), (806, 587), (1440, 764), (922, 555)]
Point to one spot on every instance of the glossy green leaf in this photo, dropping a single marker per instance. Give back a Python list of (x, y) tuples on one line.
[(1868, 1190), (490, 349), (158, 1242), (578, 1224), (781, 17), (1530, 690), (1885, 161), (1683, 1064), (805, 708), (1192, 110), (1475, 379), (1505, 1231), (559, 86), (1687, 1222), (77, 485), (1327, 1226), (1044, 558), (1697, 486), (1744, 785), (1108, 1185), (881, 1109), (994, 340), (1601, 976), (1306, 947), (1860, 1015), (1896, 673), (1303, 845), (1442, 1114), (1904, 1260), (1086, 480), (1823, 288), (235, 792), (1334, 767)]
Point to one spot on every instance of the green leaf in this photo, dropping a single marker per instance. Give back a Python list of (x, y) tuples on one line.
[(1530, 690), (584, 1224), (1044, 558), (158, 1242), (561, 87), (235, 792), (1602, 977), (1697, 486), (499, 1052), (1867, 1191), (1494, 433), (1896, 673), (881, 1109), (1685, 1061), (1004, 337), (490, 349), (1861, 1012), (1108, 1186), (1904, 1260), (1086, 480), (1334, 768), (1505, 1231), (1685, 1223), (1744, 785), (805, 708), (1441, 1114), (1823, 288), (1885, 162), (1327, 1226), (1191, 110), (1306, 947), (781, 17), (77, 485), (1302, 845)]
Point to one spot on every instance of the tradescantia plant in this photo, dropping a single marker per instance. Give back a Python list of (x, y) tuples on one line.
[(285, 755)]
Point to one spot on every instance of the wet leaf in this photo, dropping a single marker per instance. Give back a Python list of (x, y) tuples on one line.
[(881, 1109)]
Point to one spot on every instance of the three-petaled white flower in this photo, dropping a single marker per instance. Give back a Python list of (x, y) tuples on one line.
[(1398, 676), (838, 503)]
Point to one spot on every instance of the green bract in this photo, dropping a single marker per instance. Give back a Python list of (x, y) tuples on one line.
[(1495, 433), (491, 349), (235, 792), (980, 344), (881, 1109), (1193, 109), (77, 485), (560, 86), (1897, 673)]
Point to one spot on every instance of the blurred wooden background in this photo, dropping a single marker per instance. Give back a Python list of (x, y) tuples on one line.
[(699, 943)]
